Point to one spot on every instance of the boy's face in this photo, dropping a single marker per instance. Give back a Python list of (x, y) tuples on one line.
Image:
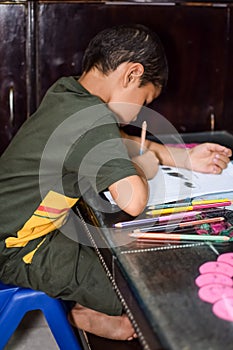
[(127, 102)]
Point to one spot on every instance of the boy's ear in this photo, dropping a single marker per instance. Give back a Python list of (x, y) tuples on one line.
[(133, 73)]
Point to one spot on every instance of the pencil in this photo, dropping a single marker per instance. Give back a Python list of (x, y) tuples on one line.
[(178, 237), (209, 201), (170, 205), (188, 203), (180, 224), (188, 208), (145, 221), (143, 137)]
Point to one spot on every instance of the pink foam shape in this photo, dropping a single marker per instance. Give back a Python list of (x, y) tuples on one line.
[(226, 257), (223, 308), (211, 278), (216, 267), (213, 292)]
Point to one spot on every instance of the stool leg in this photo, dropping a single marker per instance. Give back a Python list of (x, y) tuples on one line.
[(26, 300), (62, 330), (10, 318)]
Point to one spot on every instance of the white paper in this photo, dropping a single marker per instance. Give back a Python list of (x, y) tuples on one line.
[(173, 184)]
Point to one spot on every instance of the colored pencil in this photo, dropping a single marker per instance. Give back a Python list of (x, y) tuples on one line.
[(145, 221), (190, 202), (143, 137), (177, 237), (209, 201), (169, 205), (180, 224), (188, 208)]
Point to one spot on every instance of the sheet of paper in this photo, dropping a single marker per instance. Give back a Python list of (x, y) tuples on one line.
[(173, 184)]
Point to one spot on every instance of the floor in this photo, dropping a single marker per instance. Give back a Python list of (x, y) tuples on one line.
[(33, 333)]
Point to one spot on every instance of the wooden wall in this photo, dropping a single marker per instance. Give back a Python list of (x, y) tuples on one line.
[(46, 39)]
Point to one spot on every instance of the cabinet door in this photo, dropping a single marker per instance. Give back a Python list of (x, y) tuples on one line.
[(228, 103), (64, 30), (195, 41), (13, 92)]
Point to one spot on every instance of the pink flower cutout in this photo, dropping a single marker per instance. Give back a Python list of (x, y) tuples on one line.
[(216, 285)]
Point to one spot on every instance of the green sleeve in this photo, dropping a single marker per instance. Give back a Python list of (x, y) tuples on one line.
[(100, 157)]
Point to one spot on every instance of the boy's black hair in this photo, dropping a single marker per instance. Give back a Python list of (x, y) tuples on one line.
[(128, 43)]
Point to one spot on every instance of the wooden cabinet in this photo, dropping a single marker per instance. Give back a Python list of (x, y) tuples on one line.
[(13, 70), (44, 40), (195, 40), (227, 120)]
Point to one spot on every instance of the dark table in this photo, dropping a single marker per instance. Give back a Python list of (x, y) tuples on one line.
[(156, 284)]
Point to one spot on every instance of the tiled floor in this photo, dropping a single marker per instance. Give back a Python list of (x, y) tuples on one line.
[(33, 333)]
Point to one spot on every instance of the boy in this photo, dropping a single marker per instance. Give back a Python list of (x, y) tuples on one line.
[(70, 144)]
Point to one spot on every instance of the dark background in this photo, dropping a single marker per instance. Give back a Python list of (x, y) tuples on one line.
[(44, 40)]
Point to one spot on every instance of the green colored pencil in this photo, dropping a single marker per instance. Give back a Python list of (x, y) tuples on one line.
[(177, 237)]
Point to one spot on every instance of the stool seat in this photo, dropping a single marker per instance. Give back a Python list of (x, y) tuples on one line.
[(15, 302)]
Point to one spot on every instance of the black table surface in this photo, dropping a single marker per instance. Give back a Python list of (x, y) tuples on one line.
[(157, 283)]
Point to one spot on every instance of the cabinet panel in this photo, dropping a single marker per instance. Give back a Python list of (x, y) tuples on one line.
[(227, 119), (197, 49), (195, 40), (13, 92)]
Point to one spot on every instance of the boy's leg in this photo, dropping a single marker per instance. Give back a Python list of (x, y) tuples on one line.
[(98, 310), (71, 271), (65, 269)]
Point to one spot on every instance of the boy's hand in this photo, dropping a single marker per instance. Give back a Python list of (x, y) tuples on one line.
[(208, 158), (146, 164)]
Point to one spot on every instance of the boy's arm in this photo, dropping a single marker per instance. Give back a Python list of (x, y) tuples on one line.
[(206, 157), (131, 193)]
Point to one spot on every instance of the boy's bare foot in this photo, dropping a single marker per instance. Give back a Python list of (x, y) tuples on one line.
[(102, 325)]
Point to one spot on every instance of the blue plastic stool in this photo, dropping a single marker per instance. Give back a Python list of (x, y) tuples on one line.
[(15, 302)]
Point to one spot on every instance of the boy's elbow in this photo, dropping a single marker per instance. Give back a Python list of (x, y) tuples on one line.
[(135, 210), (130, 194)]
